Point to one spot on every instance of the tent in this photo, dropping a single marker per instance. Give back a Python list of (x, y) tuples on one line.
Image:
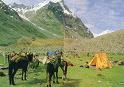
[(100, 61)]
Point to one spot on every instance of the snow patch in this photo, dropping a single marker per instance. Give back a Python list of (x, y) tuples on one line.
[(40, 5), (1, 2), (11, 16), (23, 17), (65, 11), (55, 1), (103, 33), (22, 11), (90, 26)]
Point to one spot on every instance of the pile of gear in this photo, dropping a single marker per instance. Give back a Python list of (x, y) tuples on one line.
[(17, 56)]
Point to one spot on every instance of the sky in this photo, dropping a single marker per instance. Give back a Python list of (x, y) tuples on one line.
[(97, 15)]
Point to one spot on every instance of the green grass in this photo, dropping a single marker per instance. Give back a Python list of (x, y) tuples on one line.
[(77, 77), (89, 77), (1, 59)]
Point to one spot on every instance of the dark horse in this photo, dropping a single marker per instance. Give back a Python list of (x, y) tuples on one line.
[(53, 66), (22, 64)]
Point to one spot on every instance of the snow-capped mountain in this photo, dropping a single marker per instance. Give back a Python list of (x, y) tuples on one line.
[(61, 2), (55, 16), (103, 33), (21, 8)]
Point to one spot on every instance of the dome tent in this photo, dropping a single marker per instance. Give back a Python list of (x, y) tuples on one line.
[(100, 61)]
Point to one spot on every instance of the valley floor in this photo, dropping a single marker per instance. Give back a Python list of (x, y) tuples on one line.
[(77, 77)]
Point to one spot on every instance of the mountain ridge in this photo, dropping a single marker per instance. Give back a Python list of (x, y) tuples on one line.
[(48, 22), (73, 26)]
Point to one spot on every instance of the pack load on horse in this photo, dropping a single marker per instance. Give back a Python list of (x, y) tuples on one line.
[(18, 61), (17, 57)]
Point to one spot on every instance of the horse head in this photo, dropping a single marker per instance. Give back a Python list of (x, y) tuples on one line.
[(58, 53), (30, 57)]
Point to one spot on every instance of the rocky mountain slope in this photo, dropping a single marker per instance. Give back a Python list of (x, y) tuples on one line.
[(55, 16)]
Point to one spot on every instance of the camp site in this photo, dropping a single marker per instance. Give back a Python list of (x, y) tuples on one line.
[(105, 70), (61, 43)]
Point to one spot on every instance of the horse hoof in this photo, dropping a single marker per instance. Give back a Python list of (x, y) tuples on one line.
[(53, 81), (57, 82), (49, 86), (14, 84)]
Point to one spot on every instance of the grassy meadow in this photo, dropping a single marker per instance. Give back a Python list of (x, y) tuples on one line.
[(77, 76)]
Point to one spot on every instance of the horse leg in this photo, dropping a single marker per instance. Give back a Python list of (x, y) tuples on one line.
[(10, 79), (64, 68), (53, 77), (10, 72), (13, 82), (25, 71), (49, 78), (22, 73), (10, 75), (57, 78)]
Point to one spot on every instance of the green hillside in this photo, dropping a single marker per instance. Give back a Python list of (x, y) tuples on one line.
[(112, 42), (12, 27), (48, 21)]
